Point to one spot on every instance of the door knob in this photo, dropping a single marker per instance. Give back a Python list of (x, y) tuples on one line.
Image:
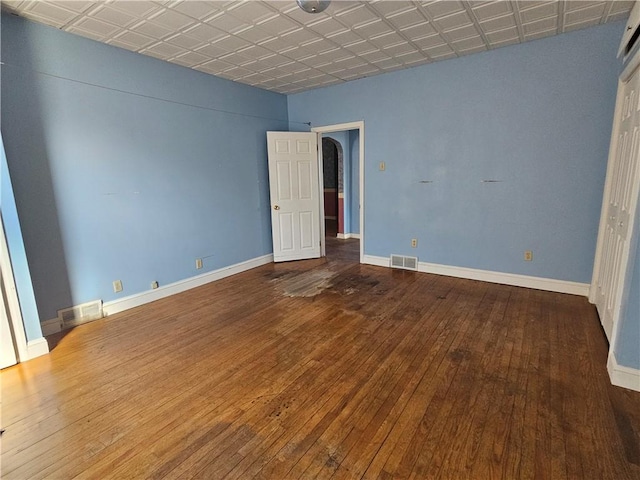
[(276, 207)]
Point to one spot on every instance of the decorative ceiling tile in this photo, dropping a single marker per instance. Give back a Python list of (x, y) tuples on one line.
[(361, 48), (135, 39), (346, 37), (163, 50), (418, 31), (205, 32), (541, 25), (184, 41), (151, 29), (399, 49), (140, 9), (227, 23), (73, 5), (113, 16), (275, 45), (408, 18), (487, 11), (211, 51), (254, 35), (172, 20), (195, 8), (546, 10), (319, 46), (461, 33), (585, 14), (621, 6), (189, 59), (278, 25), (388, 9), (58, 15), (327, 26), (358, 16), (98, 27), (498, 23), (440, 9), (468, 44), (456, 20), (428, 42), (373, 29), (583, 24), (439, 50), (502, 35), (387, 40), (252, 12)]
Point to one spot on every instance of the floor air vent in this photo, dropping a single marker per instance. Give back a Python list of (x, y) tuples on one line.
[(406, 263), (70, 317)]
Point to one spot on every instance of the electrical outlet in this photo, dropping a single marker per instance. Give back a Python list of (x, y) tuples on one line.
[(117, 286), (154, 285), (414, 242), (198, 263), (382, 167), (528, 256)]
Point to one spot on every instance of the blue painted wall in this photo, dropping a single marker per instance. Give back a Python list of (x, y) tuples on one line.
[(126, 167), (536, 117), (15, 244)]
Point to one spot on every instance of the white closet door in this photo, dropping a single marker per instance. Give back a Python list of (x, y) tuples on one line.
[(619, 203)]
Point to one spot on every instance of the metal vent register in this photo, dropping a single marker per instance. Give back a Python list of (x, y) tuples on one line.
[(86, 312), (406, 263)]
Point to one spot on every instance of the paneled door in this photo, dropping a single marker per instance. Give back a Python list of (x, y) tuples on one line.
[(295, 195), (618, 207)]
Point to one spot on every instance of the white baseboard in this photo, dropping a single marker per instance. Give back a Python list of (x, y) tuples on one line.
[(37, 348), (344, 236), (377, 261), (538, 283), (50, 327), (120, 305), (622, 376)]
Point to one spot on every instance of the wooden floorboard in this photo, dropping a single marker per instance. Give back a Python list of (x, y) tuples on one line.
[(327, 369)]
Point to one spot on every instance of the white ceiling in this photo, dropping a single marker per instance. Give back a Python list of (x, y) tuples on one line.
[(276, 46)]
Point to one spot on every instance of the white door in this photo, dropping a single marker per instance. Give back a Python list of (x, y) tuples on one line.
[(619, 203), (8, 355), (295, 195)]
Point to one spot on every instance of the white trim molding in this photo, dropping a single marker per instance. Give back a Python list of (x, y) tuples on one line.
[(120, 305), (345, 236), (621, 376), (37, 348), (538, 283)]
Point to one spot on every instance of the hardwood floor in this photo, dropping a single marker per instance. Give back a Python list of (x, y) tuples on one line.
[(377, 373)]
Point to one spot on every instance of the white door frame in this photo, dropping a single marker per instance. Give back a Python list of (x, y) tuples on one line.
[(359, 125)]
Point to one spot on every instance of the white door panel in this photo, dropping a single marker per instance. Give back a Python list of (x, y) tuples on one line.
[(8, 355), (619, 203), (295, 197)]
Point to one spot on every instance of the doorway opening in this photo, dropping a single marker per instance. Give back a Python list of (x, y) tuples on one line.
[(332, 163), (341, 176)]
